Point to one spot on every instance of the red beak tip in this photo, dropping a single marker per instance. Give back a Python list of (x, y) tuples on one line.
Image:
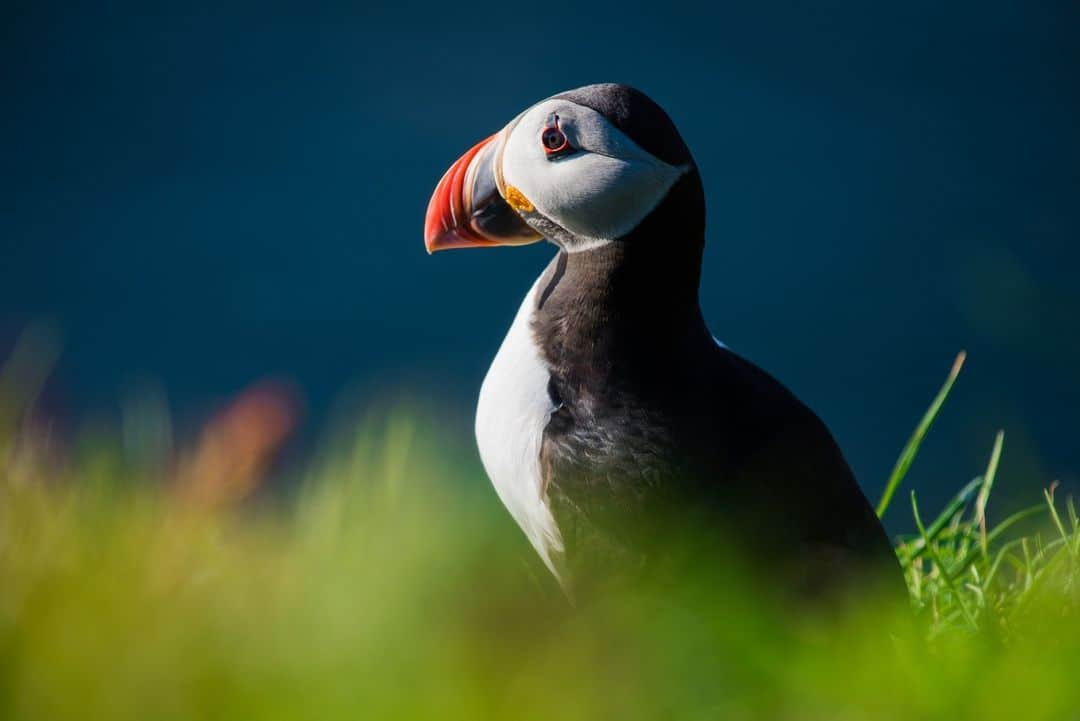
[(443, 228)]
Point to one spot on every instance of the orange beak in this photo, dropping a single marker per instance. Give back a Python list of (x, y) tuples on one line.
[(467, 209)]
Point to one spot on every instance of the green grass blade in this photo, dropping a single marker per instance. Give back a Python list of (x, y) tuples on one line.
[(1074, 521), (1002, 555), (945, 575), (23, 374), (1065, 536), (984, 492), (958, 501), (907, 455), (1012, 520), (939, 524)]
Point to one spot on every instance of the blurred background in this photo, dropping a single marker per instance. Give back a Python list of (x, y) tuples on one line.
[(197, 198)]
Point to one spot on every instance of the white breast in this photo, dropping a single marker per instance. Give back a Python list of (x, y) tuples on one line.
[(513, 410)]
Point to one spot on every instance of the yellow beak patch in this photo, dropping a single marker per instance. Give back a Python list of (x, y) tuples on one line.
[(518, 201)]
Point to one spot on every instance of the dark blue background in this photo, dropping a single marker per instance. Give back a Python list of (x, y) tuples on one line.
[(205, 197)]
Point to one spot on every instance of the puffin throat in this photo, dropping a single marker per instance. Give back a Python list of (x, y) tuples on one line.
[(632, 301)]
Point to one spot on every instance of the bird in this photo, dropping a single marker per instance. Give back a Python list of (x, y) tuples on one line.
[(614, 427)]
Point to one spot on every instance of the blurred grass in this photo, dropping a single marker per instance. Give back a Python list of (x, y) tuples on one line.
[(393, 586)]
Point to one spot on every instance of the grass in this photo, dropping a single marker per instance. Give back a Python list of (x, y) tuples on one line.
[(135, 584)]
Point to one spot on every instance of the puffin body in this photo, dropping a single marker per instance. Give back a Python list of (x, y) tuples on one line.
[(613, 425)]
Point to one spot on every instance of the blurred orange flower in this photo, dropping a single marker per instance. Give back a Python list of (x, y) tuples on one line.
[(237, 446)]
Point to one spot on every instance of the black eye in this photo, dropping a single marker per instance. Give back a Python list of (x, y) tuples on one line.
[(554, 140)]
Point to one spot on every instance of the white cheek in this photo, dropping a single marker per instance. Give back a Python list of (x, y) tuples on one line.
[(596, 196)]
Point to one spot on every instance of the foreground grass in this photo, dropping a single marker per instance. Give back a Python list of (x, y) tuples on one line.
[(393, 586)]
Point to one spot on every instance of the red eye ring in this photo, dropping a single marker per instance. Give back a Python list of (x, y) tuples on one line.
[(554, 139)]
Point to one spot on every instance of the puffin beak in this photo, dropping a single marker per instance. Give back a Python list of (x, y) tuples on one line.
[(467, 209)]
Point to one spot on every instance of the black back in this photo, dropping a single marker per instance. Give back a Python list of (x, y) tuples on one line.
[(659, 430)]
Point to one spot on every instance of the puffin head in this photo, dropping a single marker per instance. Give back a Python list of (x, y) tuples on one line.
[(583, 168)]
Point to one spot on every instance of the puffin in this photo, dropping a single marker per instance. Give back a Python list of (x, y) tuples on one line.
[(615, 428)]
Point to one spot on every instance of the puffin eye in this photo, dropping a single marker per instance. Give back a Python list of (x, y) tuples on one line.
[(554, 140)]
